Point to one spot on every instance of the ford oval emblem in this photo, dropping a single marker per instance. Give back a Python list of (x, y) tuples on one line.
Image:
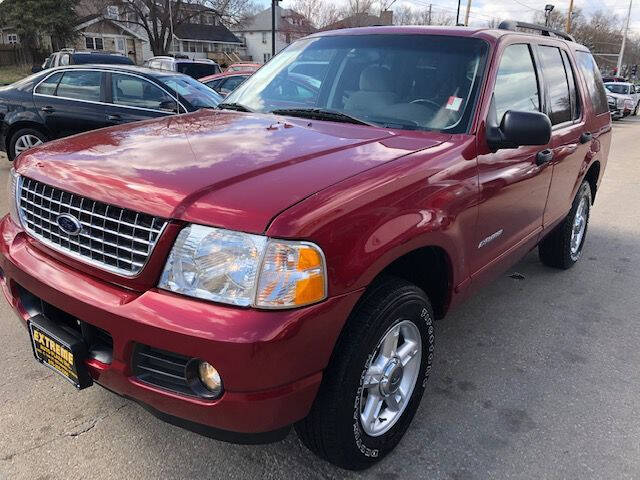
[(69, 224)]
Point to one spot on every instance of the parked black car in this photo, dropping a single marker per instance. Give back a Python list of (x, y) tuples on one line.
[(74, 57), (68, 100)]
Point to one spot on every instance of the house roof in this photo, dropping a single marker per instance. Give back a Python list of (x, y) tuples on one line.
[(211, 33), (89, 20)]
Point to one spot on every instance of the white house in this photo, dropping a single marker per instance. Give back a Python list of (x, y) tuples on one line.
[(256, 32)]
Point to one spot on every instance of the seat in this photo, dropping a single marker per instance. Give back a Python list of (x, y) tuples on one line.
[(375, 92)]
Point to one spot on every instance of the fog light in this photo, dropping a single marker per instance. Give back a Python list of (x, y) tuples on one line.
[(210, 378)]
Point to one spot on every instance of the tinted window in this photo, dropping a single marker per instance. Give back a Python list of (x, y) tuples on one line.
[(516, 84), (557, 84), (194, 92), (198, 70), (80, 85), (213, 84), (48, 87), (132, 91), (595, 88), (84, 58), (232, 82), (575, 98), (403, 81)]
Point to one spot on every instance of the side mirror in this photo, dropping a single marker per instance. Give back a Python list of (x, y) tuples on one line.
[(169, 106), (36, 69), (518, 129)]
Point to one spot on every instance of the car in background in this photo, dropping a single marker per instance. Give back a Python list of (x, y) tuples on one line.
[(70, 56), (626, 97), (227, 82), (196, 68), (243, 67), (67, 100)]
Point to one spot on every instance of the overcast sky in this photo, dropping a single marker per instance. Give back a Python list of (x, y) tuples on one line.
[(484, 10)]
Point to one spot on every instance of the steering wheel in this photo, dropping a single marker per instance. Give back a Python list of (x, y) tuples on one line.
[(426, 102)]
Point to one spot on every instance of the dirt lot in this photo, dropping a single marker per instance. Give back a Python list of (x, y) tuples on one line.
[(535, 378)]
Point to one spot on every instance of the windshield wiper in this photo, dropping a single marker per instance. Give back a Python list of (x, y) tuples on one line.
[(238, 107), (320, 114)]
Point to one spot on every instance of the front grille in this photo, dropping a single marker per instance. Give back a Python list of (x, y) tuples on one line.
[(163, 369), (111, 238)]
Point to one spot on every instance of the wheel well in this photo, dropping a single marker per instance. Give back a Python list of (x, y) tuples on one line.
[(592, 177), (22, 124), (430, 269)]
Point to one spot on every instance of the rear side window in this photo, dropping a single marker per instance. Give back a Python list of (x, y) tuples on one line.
[(516, 84), (555, 78), (573, 92), (595, 87), (80, 85), (48, 87), (198, 70)]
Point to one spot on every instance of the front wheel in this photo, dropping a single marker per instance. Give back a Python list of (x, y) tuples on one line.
[(562, 248), (375, 380)]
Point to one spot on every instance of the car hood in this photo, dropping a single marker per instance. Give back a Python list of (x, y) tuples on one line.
[(229, 169), (619, 95)]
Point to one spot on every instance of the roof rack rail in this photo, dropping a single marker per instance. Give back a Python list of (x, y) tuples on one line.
[(546, 31)]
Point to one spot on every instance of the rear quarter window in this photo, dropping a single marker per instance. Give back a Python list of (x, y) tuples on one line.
[(595, 87)]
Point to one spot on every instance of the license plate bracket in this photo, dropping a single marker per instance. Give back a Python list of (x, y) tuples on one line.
[(60, 350)]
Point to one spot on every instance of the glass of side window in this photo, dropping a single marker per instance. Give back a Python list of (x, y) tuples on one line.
[(130, 91), (516, 85), (80, 85), (555, 77)]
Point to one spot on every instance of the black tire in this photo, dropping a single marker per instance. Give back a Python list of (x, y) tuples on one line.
[(635, 111), (555, 250), (333, 428), (11, 151)]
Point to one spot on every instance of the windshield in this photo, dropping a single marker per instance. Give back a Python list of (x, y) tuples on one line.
[(194, 92), (424, 82), (197, 70), (617, 88)]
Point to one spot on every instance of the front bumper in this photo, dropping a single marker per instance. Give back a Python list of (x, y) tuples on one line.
[(270, 362)]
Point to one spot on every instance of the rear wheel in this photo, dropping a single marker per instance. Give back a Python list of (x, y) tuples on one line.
[(23, 140), (375, 380), (562, 248)]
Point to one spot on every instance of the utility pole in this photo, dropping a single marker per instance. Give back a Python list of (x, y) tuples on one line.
[(274, 4), (458, 14), (569, 14), (466, 15), (170, 27), (429, 15), (624, 39)]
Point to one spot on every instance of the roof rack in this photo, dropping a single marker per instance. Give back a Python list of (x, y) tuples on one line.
[(546, 31)]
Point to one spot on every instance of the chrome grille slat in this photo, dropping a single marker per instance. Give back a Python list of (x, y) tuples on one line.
[(112, 238)]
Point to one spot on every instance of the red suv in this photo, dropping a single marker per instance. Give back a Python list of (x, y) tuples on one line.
[(281, 261)]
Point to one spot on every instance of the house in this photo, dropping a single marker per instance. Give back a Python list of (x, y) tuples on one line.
[(362, 20), (198, 36), (104, 32), (256, 32), (8, 36)]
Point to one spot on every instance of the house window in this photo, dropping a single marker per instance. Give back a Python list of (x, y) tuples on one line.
[(112, 12), (264, 37), (267, 57), (185, 46), (120, 44), (12, 38), (287, 38), (94, 43)]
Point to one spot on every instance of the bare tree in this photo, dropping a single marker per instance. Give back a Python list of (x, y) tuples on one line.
[(319, 12), (360, 7)]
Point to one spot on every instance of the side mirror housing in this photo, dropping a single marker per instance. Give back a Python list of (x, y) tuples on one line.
[(518, 129), (36, 69)]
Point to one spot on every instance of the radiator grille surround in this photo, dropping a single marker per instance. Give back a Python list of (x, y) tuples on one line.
[(111, 238)]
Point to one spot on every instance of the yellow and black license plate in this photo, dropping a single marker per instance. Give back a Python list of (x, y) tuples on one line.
[(59, 350)]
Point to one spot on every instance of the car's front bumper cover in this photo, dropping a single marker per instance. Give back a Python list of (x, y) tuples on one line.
[(270, 362)]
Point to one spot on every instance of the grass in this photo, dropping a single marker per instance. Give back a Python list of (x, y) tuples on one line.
[(13, 73)]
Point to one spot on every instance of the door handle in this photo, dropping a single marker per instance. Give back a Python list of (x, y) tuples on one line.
[(544, 156), (48, 109), (114, 118), (586, 137)]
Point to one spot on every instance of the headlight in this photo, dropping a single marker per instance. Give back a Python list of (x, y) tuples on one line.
[(243, 269), (12, 189)]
